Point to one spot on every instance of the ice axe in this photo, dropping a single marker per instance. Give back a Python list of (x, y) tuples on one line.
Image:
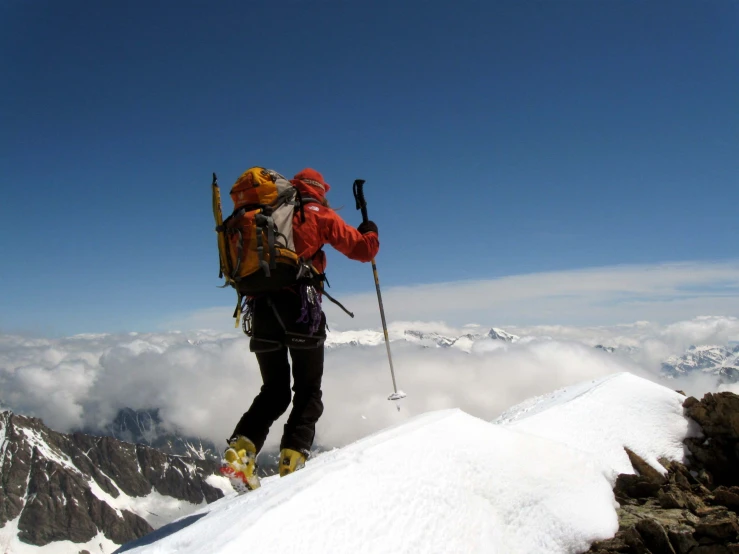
[(358, 188)]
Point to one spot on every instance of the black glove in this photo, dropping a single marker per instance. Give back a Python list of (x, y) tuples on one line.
[(367, 227)]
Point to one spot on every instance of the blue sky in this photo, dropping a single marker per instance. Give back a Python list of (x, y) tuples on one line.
[(496, 138)]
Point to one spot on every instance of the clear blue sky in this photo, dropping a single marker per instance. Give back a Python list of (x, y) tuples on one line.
[(496, 138)]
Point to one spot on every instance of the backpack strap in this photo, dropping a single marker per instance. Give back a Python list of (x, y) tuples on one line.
[(261, 221), (309, 200), (239, 250), (339, 304), (271, 242), (302, 201)]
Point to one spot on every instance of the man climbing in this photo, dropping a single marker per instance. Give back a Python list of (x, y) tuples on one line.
[(291, 320)]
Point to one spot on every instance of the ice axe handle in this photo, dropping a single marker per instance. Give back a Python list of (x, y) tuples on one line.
[(359, 197)]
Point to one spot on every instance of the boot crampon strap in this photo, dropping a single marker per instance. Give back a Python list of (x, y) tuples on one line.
[(290, 461), (239, 464)]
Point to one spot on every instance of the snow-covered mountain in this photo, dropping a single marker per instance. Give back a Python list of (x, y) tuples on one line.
[(146, 427), (540, 480), (426, 339), (719, 361), (71, 493)]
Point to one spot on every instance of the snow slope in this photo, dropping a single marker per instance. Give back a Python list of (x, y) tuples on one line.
[(602, 416), (449, 482)]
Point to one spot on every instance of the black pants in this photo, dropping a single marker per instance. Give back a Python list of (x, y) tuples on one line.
[(271, 343)]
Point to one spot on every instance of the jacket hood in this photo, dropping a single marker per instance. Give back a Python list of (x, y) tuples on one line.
[(311, 182)]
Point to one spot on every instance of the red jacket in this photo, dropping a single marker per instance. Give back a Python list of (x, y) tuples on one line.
[(322, 226)]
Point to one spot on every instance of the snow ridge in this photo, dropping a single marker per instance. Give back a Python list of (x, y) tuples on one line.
[(537, 481)]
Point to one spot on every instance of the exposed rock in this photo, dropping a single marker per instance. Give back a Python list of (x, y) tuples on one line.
[(644, 469), (654, 536), (720, 527), (728, 497), (689, 510), (672, 499), (634, 486), (718, 416), (56, 484)]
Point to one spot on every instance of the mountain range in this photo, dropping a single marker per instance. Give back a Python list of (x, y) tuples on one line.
[(76, 492), (719, 361), (425, 339)]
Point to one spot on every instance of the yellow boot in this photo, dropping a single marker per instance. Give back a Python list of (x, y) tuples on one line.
[(239, 464), (290, 460)]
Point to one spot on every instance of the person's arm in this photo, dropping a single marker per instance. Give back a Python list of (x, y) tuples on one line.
[(354, 244)]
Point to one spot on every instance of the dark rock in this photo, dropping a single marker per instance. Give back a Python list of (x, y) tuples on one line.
[(119, 458), (695, 504), (716, 413), (654, 536), (633, 540), (681, 478), (718, 451), (616, 544), (682, 540), (728, 497), (721, 527), (672, 499), (644, 469), (714, 549), (46, 477), (634, 486), (704, 478)]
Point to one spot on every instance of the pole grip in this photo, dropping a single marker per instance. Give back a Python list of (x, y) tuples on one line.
[(358, 188)]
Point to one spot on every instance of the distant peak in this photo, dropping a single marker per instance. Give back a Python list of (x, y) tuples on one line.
[(500, 334)]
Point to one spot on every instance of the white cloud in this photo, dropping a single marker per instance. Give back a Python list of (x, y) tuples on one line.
[(596, 296), (203, 381)]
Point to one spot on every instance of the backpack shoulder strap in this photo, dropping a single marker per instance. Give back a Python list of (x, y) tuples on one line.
[(302, 201), (309, 200)]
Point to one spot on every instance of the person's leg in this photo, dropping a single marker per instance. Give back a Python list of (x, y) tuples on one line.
[(300, 428), (267, 343), (273, 398), (306, 351)]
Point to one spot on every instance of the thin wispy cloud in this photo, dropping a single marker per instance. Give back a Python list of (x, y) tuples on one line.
[(595, 296)]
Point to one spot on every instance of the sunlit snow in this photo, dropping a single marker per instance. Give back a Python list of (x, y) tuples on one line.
[(449, 482)]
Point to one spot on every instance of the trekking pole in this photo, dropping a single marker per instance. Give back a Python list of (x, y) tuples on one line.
[(362, 205)]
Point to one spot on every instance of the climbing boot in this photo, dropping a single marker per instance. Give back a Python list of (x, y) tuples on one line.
[(290, 461), (239, 464)]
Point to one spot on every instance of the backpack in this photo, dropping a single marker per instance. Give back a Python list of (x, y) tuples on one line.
[(255, 243)]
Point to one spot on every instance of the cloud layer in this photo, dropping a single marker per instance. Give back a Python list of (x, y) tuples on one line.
[(597, 296), (203, 381)]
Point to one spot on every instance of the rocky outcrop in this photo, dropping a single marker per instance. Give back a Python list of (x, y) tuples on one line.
[(690, 510), (63, 487)]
